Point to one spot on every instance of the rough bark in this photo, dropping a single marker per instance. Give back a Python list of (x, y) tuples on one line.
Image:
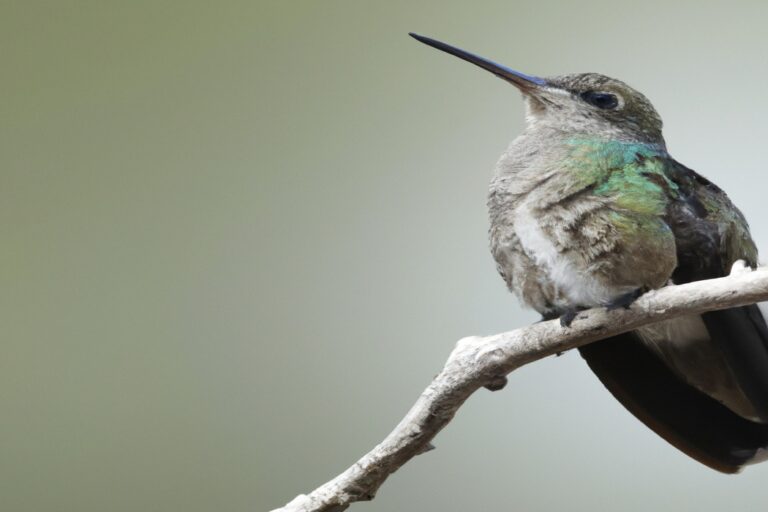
[(485, 361)]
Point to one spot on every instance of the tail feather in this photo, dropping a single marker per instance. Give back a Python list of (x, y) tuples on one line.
[(690, 420), (741, 335)]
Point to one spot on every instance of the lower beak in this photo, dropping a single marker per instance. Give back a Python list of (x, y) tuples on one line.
[(525, 83)]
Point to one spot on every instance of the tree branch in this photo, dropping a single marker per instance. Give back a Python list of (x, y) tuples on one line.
[(485, 361)]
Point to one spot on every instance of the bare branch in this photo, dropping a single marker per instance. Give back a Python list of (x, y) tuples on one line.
[(485, 361)]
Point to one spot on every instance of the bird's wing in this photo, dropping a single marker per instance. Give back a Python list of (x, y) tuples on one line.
[(710, 231), (710, 234)]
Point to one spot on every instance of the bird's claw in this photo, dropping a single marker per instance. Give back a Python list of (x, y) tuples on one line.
[(624, 301), (566, 319)]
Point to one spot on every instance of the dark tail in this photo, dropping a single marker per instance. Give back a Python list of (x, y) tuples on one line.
[(742, 336), (690, 420)]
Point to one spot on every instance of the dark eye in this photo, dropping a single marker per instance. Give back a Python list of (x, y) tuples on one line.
[(604, 100)]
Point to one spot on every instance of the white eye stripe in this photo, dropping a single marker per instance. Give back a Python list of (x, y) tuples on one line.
[(558, 91)]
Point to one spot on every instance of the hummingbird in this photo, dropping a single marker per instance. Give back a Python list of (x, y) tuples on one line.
[(588, 209)]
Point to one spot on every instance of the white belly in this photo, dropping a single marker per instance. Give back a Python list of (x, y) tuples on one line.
[(574, 285)]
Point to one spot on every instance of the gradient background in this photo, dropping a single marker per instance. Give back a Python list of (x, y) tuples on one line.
[(239, 238)]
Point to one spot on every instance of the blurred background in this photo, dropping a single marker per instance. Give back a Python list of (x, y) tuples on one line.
[(239, 239)]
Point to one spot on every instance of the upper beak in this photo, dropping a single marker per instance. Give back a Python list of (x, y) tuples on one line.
[(525, 83)]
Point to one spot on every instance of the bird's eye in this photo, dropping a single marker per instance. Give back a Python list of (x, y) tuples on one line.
[(604, 100)]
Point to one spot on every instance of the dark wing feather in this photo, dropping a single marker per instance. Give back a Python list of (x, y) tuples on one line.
[(742, 337), (710, 234), (685, 417)]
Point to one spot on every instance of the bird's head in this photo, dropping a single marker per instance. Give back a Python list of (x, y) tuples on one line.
[(581, 104)]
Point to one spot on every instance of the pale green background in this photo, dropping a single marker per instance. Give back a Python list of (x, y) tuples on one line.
[(239, 238)]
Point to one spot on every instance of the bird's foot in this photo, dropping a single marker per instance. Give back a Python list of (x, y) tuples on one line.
[(625, 300), (566, 319)]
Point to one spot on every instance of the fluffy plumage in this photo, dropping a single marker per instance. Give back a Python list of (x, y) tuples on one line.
[(583, 213)]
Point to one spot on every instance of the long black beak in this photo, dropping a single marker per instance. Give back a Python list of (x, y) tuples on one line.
[(520, 80)]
